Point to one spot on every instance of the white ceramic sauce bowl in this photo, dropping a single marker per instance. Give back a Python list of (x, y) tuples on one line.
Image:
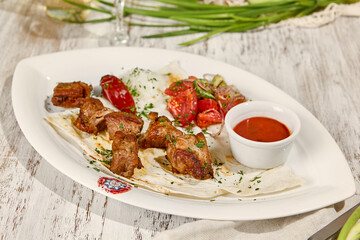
[(261, 155)]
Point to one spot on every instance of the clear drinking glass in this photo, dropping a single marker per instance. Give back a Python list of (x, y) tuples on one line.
[(119, 36)]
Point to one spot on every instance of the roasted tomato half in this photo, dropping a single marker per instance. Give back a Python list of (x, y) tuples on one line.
[(178, 87), (116, 92), (206, 104), (207, 118), (183, 107)]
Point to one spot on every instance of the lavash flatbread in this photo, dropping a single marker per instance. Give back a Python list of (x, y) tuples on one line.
[(230, 177)]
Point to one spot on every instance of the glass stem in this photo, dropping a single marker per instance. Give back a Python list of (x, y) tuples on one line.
[(119, 14)]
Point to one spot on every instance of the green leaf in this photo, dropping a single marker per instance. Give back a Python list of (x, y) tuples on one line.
[(354, 233), (172, 34), (355, 216)]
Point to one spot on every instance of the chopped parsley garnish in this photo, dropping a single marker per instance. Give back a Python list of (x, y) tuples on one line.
[(205, 165), (106, 153), (176, 122), (189, 130), (204, 131), (145, 111), (200, 144), (254, 179), (217, 163), (151, 105), (171, 139), (134, 92), (142, 113), (96, 169), (104, 161), (121, 126), (136, 72)]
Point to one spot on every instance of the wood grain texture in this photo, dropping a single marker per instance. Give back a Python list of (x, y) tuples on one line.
[(318, 67)]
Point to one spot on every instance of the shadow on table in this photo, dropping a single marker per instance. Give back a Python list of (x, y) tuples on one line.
[(92, 202)]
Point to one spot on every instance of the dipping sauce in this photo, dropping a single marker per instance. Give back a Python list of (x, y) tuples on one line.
[(262, 129)]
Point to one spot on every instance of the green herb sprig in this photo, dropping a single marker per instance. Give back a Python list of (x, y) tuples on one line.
[(193, 17)]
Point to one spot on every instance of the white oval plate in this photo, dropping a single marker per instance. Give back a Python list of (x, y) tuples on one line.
[(315, 155)]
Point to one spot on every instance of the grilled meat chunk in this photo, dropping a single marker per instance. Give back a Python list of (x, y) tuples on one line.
[(124, 122), (91, 117), (189, 154), (71, 95), (160, 130), (125, 155)]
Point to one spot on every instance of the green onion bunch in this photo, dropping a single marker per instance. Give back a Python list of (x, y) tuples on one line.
[(191, 16)]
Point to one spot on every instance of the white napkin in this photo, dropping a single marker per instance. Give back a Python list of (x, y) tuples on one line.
[(299, 227)]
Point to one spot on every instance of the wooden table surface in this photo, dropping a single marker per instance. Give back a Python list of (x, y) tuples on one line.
[(319, 67)]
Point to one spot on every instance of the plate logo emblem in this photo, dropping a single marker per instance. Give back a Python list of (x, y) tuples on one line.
[(113, 185)]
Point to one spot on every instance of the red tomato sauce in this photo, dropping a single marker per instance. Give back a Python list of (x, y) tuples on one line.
[(262, 129)]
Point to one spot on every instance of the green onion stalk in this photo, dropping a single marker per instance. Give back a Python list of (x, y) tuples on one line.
[(351, 229), (192, 16)]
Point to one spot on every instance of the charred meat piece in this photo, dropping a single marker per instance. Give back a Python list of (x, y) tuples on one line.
[(91, 117), (124, 122), (159, 132), (125, 155), (189, 154), (71, 95)]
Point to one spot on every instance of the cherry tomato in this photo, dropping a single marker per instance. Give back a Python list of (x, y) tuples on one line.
[(179, 86), (184, 107), (207, 118), (116, 92), (206, 104)]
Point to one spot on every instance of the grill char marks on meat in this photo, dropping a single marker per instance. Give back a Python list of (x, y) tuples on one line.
[(189, 154), (91, 117), (71, 95), (127, 123), (125, 155), (160, 130)]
